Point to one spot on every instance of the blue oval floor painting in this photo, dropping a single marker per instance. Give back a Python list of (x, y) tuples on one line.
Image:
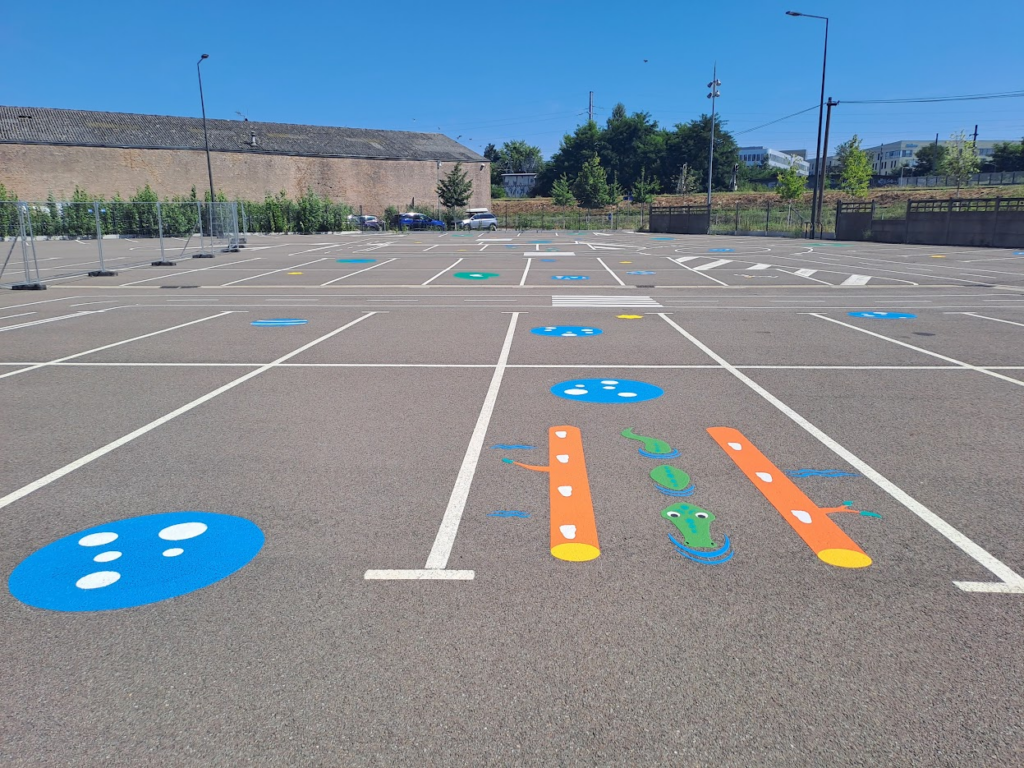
[(136, 561), (883, 315), (606, 390), (355, 261), (566, 330), (278, 322), (569, 277)]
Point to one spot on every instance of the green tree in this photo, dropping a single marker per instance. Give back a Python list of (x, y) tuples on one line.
[(961, 159), (791, 185), (561, 192), (574, 151), (929, 159), (854, 168), (629, 143), (591, 186), (455, 189), (688, 145), (1007, 156), (519, 157)]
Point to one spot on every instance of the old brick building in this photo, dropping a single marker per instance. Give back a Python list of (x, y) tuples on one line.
[(53, 150)]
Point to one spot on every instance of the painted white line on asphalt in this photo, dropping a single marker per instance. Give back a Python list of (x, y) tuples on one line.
[(1009, 580), (44, 301), (110, 346), (550, 253), (712, 264), (856, 280), (804, 276), (100, 452), (272, 272), (431, 247), (45, 320), (953, 360), (805, 272), (446, 533), (358, 271), (610, 272), (187, 271), (431, 573), (986, 317), (428, 282), (26, 314), (526, 271), (691, 269), (759, 266), (88, 303)]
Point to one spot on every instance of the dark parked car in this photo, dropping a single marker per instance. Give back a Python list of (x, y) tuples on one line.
[(365, 222), (413, 220)]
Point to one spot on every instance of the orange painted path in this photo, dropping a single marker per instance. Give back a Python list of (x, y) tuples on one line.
[(573, 526), (811, 522)]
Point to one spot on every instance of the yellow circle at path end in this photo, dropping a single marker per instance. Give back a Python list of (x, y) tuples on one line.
[(844, 558), (294, 273), (575, 551)]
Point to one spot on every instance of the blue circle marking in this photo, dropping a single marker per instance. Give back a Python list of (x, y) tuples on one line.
[(569, 277), (721, 250), (1018, 253), (883, 315), (548, 259), (355, 261), (567, 330), (278, 322), (137, 561), (640, 272), (606, 390)]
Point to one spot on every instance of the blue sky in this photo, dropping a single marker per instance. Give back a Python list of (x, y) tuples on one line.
[(491, 72)]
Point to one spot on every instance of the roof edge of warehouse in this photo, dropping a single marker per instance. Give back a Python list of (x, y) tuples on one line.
[(127, 130)]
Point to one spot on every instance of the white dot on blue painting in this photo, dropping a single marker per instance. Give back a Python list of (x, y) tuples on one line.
[(61, 576)]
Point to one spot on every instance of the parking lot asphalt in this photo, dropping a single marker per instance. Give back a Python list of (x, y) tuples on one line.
[(801, 408)]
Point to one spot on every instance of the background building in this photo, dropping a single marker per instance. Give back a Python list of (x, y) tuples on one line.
[(774, 158), (518, 184), (105, 153), (887, 157)]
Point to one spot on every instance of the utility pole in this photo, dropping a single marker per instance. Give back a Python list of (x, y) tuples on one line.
[(713, 85), (590, 110), (824, 166), (975, 136)]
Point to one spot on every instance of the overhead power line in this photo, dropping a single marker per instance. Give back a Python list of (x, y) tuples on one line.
[(933, 99), (773, 122)]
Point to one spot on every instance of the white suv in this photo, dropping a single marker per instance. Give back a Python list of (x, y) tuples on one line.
[(485, 220)]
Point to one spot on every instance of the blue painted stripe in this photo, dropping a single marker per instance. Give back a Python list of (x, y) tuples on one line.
[(700, 552), (671, 455)]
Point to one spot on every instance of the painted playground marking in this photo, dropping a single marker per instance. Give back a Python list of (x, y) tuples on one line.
[(1009, 581), (883, 315), (606, 391), (566, 331), (603, 301), (279, 322), (130, 562), (440, 552)]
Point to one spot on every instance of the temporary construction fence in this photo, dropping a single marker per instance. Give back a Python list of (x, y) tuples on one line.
[(162, 233)]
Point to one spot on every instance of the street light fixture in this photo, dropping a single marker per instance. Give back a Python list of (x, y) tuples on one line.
[(819, 176), (206, 139), (713, 85)]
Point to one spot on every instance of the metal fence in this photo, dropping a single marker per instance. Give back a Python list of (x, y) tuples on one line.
[(772, 217), (630, 217), (977, 180), (163, 232)]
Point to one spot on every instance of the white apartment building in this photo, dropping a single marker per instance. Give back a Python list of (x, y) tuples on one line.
[(774, 158), (887, 157)]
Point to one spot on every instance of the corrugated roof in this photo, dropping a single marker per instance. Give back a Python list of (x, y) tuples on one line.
[(35, 125)]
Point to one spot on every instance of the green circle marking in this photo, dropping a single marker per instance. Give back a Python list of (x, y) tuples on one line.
[(475, 275)]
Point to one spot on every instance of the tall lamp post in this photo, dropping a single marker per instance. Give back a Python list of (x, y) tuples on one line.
[(206, 139), (818, 175), (713, 85)]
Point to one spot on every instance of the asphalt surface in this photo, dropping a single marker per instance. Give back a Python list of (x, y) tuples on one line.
[(361, 444)]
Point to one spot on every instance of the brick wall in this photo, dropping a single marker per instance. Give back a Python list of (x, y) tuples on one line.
[(33, 171)]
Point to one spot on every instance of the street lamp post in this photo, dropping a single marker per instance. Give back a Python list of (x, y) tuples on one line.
[(206, 140), (713, 85), (819, 176)]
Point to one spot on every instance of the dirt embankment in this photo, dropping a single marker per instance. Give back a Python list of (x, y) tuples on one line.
[(882, 196)]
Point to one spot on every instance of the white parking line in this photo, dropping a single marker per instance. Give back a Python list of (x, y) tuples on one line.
[(1009, 580), (358, 271), (188, 271), (526, 271), (986, 317), (428, 282), (274, 271), (104, 450), (610, 272), (115, 344)]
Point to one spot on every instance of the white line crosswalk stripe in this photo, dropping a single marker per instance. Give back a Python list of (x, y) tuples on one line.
[(603, 301), (856, 280), (712, 264)]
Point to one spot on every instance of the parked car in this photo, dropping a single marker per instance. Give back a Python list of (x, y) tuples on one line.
[(412, 220), (365, 222), (480, 221)]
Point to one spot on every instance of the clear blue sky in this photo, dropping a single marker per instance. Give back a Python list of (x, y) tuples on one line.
[(491, 72)]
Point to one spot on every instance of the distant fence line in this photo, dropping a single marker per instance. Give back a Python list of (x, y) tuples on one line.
[(772, 217), (989, 222), (977, 180)]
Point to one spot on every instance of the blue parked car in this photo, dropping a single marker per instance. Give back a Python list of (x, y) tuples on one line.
[(414, 220)]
